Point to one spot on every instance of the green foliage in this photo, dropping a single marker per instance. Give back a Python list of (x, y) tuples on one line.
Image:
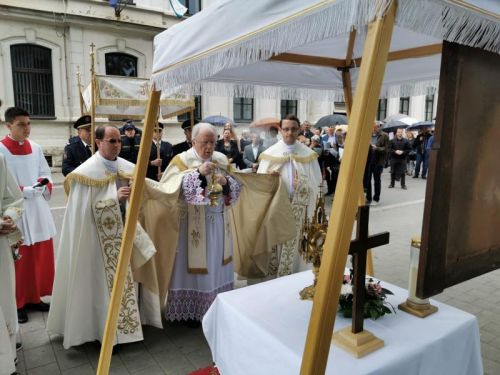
[(375, 304)]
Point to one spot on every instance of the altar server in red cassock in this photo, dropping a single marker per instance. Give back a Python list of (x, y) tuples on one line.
[(25, 160)]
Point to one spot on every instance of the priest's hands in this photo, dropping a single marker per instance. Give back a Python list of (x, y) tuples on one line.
[(207, 168), (8, 226), (124, 193), (221, 179), (30, 192)]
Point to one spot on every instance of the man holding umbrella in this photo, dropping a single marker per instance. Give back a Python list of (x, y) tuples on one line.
[(420, 145)]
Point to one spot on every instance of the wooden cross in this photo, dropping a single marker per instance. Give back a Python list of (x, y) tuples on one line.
[(358, 249)]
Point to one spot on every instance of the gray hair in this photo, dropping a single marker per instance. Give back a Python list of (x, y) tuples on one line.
[(198, 128)]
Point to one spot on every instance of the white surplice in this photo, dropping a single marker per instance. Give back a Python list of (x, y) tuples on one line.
[(37, 224), (298, 166), (88, 253), (11, 201)]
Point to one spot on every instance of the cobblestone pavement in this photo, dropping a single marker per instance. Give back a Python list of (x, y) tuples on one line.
[(180, 350)]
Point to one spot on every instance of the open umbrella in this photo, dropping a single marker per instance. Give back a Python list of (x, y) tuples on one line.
[(394, 125), (266, 123), (421, 124), (218, 120), (335, 119), (400, 117)]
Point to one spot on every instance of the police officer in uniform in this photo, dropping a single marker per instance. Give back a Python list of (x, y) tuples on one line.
[(78, 149), (131, 140), (186, 145)]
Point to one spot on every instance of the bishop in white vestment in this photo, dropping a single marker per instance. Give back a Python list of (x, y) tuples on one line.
[(299, 169), (88, 252), (11, 204), (25, 160)]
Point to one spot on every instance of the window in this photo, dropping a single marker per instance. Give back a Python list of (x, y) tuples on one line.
[(193, 6), (339, 106), (288, 107), (429, 107), (32, 79), (243, 109), (197, 111), (404, 105), (382, 109), (121, 64)]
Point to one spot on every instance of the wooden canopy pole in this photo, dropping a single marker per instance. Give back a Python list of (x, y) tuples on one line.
[(128, 233), (93, 97), (347, 84), (345, 204)]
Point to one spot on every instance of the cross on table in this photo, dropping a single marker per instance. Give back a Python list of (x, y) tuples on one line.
[(358, 249)]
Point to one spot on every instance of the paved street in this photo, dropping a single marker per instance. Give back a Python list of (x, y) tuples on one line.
[(180, 350)]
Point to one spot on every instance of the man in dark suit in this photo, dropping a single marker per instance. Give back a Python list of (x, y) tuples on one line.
[(379, 149), (78, 149), (252, 152), (186, 145), (165, 154)]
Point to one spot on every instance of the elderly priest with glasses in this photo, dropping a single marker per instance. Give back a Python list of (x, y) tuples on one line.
[(91, 235)]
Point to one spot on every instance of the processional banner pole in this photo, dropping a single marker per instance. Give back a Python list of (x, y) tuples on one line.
[(93, 97), (345, 204), (128, 232)]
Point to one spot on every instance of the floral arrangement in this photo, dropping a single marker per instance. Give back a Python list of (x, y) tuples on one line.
[(375, 298)]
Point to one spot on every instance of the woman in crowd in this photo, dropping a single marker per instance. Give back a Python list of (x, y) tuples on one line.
[(228, 146), (412, 155)]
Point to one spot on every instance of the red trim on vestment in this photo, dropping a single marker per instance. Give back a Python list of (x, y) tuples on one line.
[(15, 148), (49, 185), (34, 272)]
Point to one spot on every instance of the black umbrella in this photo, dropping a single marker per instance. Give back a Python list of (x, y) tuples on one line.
[(421, 124), (393, 125), (329, 120)]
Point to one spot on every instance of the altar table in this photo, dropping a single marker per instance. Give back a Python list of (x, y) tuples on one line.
[(261, 329)]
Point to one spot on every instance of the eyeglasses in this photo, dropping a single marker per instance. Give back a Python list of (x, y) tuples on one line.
[(112, 141), (294, 129)]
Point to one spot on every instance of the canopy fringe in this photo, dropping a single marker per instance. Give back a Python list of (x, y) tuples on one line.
[(334, 19), (441, 20)]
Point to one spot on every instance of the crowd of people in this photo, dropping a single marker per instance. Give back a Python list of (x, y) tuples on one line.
[(183, 249)]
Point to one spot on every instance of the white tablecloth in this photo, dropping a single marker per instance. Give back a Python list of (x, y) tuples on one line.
[(262, 329)]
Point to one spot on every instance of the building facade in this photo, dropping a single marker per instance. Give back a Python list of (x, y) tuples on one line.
[(44, 44)]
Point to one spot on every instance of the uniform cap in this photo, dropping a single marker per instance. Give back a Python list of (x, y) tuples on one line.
[(82, 122)]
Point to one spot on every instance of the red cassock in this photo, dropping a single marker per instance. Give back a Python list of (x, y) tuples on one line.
[(35, 269)]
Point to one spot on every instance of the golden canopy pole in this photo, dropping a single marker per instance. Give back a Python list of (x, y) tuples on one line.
[(93, 97), (345, 204), (347, 85), (191, 117), (79, 81), (128, 233)]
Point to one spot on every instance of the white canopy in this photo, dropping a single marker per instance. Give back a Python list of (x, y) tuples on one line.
[(127, 97), (246, 49)]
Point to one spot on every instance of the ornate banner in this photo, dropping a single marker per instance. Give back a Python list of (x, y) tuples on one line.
[(127, 97)]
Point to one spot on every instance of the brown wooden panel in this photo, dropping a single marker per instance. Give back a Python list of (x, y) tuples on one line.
[(461, 227)]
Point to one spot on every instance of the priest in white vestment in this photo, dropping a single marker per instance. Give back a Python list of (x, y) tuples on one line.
[(11, 201), (88, 252), (299, 169), (202, 265), (25, 160)]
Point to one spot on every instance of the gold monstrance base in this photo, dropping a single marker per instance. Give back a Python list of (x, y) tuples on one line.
[(308, 291), (419, 310)]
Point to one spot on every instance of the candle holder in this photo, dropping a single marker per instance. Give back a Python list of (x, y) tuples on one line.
[(414, 305)]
